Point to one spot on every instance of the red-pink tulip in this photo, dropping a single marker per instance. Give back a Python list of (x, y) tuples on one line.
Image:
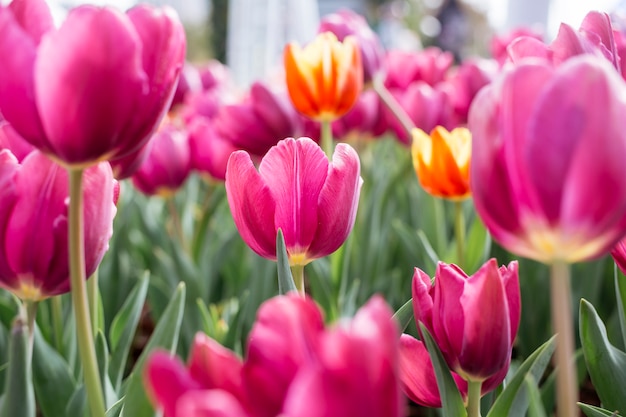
[(365, 119), (209, 151), (476, 346), (167, 164), (123, 70), (294, 367), (33, 223), (298, 190), (547, 172), (619, 255)]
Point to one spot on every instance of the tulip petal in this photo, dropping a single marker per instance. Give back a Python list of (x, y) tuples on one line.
[(598, 24), (295, 172), (251, 204), (284, 338), (166, 381), (422, 298), (527, 46), (338, 202), (209, 403), (17, 88), (88, 75), (8, 194), (34, 16), (510, 278), (448, 319)]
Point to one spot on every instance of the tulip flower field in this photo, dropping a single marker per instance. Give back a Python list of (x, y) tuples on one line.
[(367, 232)]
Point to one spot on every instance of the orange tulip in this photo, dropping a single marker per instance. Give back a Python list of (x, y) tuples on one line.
[(324, 78), (441, 161)]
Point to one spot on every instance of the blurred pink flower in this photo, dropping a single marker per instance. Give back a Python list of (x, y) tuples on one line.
[(298, 190), (294, 367), (404, 68), (547, 170), (209, 151), (123, 67), (366, 119), (34, 260), (500, 42), (11, 140)]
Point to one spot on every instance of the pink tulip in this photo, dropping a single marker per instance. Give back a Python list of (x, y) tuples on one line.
[(298, 190), (209, 151), (167, 164), (547, 170), (476, 346), (344, 23), (619, 255), (126, 166), (405, 68), (123, 70), (33, 223), (365, 119), (500, 43), (11, 140), (259, 121), (294, 368)]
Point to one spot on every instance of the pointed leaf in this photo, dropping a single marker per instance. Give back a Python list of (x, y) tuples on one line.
[(513, 401), (620, 293), (606, 364), (451, 401), (102, 355), (123, 329), (404, 315), (19, 398), (478, 245), (593, 411), (535, 405), (165, 336), (115, 409), (285, 279)]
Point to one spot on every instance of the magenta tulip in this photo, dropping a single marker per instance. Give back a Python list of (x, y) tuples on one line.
[(344, 23), (619, 255), (404, 68), (167, 164), (123, 70), (476, 346), (547, 170), (209, 151), (298, 190), (366, 119), (294, 368), (11, 140), (33, 223)]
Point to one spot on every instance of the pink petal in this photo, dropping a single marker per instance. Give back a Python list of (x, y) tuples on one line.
[(598, 24), (10, 139), (338, 202), (448, 316), (510, 278), (34, 16), (251, 204), (295, 172), (214, 366), (284, 338), (8, 193), (422, 298), (209, 151), (17, 90), (99, 51), (209, 403), (526, 46), (167, 380)]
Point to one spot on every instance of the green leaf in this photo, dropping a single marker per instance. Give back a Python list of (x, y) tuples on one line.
[(451, 401), (52, 377), (115, 409), (432, 255), (478, 245), (593, 411), (19, 398), (606, 364), (77, 405), (514, 400), (123, 328), (165, 336), (285, 279), (102, 355), (535, 405), (404, 315), (620, 293)]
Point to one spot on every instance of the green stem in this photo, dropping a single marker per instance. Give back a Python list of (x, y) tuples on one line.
[(566, 379), (392, 104), (459, 229), (178, 227), (327, 138), (473, 398), (84, 332), (31, 313), (57, 322), (94, 299), (297, 271)]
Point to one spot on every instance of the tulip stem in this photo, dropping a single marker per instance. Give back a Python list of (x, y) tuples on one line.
[(297, 271), (566, 379), (392, 104), (84, 331), (459, 229), (94, 299), (30, 308), (473, 398), (57, 322), (178, 227), (327, 138)]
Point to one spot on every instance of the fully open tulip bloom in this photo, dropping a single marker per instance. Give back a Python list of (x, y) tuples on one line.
[(547, 169), (93, 89), (33, 223), (294, 368), (441, 161), (298, 190), (325, 78), (476, 346)]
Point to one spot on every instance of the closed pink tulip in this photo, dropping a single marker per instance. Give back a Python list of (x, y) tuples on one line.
[(123, 70), (33, 220), (167, 164), (476, 346), (298, 190), (294, 368), (547, 170)]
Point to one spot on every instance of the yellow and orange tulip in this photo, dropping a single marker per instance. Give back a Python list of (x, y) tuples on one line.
[(325, 77), (441, 161)]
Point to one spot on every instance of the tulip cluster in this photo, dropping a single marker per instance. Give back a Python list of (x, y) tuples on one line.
[(293, 367)]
